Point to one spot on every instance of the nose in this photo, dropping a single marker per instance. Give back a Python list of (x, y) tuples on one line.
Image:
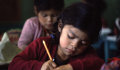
[(49, 19), (75, 43)]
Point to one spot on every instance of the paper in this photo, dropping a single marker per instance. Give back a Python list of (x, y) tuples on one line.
[(3, 41), (7, 49)]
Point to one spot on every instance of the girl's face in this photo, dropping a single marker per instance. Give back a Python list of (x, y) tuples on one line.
[(47, 18), (72, 41)]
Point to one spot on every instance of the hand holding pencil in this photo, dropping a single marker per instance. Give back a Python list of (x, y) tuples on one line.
[(51, 64), (48, 64)]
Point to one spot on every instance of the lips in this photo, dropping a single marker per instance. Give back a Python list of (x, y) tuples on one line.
[(49, 25), (69, 50)]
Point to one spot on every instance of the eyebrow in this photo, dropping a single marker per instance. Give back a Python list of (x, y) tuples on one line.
[(73, 33)]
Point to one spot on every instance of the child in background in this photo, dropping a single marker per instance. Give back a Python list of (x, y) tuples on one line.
[(78, 28), (43, 23)]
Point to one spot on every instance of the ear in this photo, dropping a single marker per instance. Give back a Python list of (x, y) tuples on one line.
[(35, 10), (60, 26)]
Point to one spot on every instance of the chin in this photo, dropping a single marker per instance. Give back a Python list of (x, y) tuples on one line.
[(69, 54), (48, 28)]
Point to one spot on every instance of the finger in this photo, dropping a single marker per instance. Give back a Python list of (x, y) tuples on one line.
[(46, 65), (48, 68), (51, 68), (53, 64), (57, 68)]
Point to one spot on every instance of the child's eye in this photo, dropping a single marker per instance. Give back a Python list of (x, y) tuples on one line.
[(53, 15), (44, 15), (84, 42), (70, 37)]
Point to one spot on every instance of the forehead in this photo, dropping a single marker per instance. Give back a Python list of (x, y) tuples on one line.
[(49, 11)]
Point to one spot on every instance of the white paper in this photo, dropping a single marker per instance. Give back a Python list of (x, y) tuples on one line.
[(3, 41)]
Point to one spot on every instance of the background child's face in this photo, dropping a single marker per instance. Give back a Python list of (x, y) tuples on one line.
[(72, 41), (47, 18)]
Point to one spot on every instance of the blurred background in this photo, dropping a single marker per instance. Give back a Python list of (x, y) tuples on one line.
[(13, 13)]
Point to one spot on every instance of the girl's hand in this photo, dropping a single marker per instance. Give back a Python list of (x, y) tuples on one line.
[(48, 65), (64, 67), (114, 65)]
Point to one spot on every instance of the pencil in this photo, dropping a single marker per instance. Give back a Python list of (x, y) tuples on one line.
[(47, 50)]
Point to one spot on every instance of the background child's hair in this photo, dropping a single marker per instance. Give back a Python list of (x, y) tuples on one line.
[(49, 4), (99, 5), (84, 17)]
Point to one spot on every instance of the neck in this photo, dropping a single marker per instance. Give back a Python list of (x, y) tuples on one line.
[(48, 32)]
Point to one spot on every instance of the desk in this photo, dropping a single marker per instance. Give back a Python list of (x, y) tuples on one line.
[(106, 45)]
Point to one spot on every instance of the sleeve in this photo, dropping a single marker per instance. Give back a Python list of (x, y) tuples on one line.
[(27, 34), (77, 65), (90, 62), (27, 59)]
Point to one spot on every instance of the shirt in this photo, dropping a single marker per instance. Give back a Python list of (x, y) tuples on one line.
[(35, 55), (32, 30)]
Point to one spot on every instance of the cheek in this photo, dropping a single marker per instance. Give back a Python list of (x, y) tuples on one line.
[(42, 19), (64, 42), (54, 19)]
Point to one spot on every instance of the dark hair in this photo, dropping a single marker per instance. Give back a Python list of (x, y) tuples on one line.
[(83, 17), (49, 4), (99, 5)]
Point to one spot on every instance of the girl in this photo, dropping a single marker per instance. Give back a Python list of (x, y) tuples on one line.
[(43, 24), (79, 27)]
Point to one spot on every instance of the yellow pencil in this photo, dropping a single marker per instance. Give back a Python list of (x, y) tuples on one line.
[(47, 50)]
